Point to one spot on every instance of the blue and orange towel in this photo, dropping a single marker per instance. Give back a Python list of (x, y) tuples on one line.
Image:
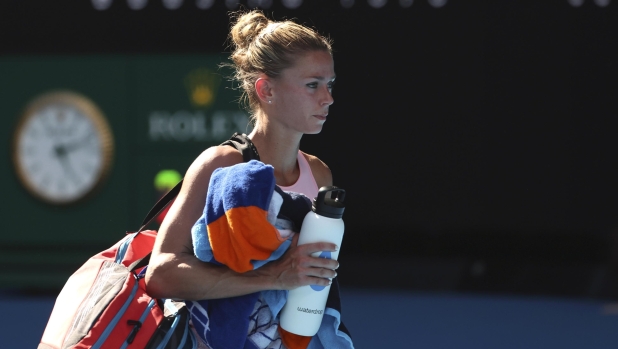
[(249, 221)]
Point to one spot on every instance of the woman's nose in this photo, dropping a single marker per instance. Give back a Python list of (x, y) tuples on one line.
[(328, 98)]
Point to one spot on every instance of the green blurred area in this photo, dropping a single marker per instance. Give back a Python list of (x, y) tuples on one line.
[(163, 110)]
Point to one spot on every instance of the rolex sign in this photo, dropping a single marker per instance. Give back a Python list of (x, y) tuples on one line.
[(187, 99)]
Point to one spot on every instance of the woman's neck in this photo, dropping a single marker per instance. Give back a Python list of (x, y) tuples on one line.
[(278, 148)]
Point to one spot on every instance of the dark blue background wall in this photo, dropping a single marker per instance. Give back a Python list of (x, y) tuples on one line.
[(476, 140)]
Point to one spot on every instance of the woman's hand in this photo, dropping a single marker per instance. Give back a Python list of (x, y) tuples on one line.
[(298, 268)]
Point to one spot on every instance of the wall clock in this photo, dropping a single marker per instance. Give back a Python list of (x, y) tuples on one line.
[(63, 148)]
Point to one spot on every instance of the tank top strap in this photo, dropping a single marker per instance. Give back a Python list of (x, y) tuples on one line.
[(306, 183)]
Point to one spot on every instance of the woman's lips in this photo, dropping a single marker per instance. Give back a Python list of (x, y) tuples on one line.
[(321, 117)]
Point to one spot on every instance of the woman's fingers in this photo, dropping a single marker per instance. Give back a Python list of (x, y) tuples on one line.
[(308, 261), (297, 267), (318, 281), (317, 247), (324, 273)]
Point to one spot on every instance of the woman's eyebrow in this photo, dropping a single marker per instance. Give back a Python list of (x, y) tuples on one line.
[(320, 78)]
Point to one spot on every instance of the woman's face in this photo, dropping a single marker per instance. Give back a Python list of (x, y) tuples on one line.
[(303, 93)]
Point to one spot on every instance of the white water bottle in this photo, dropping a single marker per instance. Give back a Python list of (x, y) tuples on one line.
[(304, 309)]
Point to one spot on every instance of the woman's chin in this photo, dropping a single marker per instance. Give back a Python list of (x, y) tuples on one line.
[(314, 131)]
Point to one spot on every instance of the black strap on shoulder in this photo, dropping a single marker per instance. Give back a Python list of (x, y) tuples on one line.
[(160, 205), (239, 141)]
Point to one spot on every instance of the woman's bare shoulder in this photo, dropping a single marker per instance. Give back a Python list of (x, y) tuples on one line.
[(198, 174), (190, 201), (321, 171), (214, 157)]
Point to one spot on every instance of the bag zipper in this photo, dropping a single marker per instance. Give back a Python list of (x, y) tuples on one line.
[(116, 318), (137, 324)]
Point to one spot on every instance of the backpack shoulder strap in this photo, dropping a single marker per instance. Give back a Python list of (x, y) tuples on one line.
[(239, 141)]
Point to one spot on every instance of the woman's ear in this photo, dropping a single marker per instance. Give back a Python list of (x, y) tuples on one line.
[(263, 89)]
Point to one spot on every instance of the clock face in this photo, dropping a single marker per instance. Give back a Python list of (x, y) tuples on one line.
[(63, 148)]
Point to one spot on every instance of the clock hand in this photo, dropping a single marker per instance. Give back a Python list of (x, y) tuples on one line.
[(76, 145), (64, 161), (50, 129)]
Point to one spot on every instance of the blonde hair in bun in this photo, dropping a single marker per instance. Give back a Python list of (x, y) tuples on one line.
[(264, 46), (247, 27)]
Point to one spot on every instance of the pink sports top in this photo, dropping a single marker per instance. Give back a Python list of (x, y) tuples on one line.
[(306, 183)]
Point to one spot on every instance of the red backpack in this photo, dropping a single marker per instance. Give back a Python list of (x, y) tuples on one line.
[(104, 304)]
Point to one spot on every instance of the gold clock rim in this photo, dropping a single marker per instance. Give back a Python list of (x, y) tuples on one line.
[(90, 110)]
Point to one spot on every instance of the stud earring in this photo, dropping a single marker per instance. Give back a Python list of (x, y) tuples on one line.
[(269, 102)]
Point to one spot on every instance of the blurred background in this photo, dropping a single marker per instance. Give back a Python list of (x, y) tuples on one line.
[(475, 140)]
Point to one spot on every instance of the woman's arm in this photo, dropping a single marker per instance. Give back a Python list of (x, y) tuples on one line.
[(175, 272)]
